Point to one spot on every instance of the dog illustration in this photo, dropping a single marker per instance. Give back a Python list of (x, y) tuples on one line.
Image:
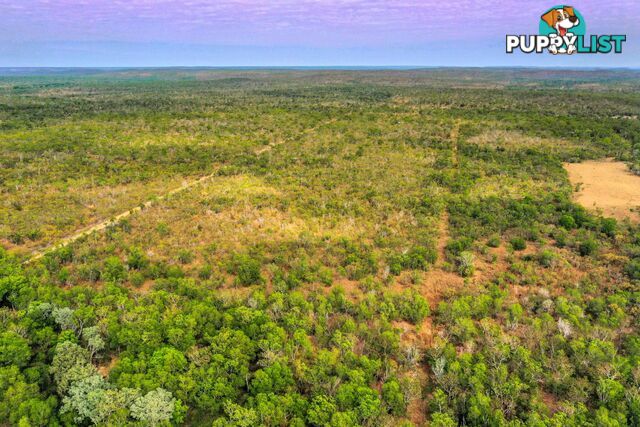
[(561, 20)]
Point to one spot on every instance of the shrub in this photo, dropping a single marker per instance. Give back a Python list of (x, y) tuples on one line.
[(417, 258), (567, 221), (359, 260), (136, 278), (463, 330), (455, 247), (174, 272), (137, 260), (412, 306), (465, 264), (156, 270), (325, 276), (34, 235), (494, 241), (185, 256), (633, 269), (16, 238), (114, 270), (90, 272), (532, 234), (587, 247), (394, 398), (246, 269), (561, 237), (609, 226), (162, 229), (395, 264), (518, 244), (547, 258), (205, 272)]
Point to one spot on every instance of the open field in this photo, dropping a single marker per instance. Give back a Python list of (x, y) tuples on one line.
[(326, 248), (607, 185)]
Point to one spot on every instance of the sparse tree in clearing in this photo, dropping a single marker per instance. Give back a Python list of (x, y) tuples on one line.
[(465, 262)]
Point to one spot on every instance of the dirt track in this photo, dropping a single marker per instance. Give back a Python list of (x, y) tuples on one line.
[(37, 254), (607, 185)]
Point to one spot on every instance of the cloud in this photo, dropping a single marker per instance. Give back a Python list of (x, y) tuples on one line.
[(305, 23)]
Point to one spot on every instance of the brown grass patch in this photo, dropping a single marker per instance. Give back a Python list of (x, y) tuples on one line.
[(608, 186), (105, 368)]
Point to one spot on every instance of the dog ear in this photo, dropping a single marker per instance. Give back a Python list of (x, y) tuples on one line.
[(569, 10), (550, 18)]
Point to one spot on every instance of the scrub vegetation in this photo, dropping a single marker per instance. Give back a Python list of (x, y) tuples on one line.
[(368, 248)]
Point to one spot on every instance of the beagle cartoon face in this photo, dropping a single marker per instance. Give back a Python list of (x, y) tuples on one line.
[(561, 20)]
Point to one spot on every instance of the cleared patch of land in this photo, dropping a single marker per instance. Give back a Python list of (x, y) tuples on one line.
[(607, 185)]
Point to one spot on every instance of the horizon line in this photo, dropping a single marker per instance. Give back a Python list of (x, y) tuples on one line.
[(328, 67)]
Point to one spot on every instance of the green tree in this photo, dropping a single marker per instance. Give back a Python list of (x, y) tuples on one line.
[(321, 409), (114, 270), (14, 350), (70, 364), (394, 398), (94, 340), (154, 407)]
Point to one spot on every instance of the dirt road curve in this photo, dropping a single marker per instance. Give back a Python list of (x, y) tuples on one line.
[(37, 254)]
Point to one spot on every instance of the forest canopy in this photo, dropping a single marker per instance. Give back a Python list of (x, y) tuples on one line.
[(323, 248)]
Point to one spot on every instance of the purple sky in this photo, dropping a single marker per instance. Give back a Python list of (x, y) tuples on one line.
[(291, 32)]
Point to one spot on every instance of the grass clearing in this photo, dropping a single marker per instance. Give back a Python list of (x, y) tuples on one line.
[(607, 186)]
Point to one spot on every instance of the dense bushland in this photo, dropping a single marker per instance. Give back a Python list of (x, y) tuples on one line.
[(396, 248)]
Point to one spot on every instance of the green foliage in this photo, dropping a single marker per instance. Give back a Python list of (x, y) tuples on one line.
[(609, 226), (417, 258), (185, 256), (439, 419), (494, 241), (411, 306), (518, 244), (136, 278), (70, 364), (567, 221), (547, 258), (321, 410), (633, 269), (246, 269), (394, 398), (358, 260), (325, 191), (456, 247), (153, 408), (137, 260), (465, 264), (114, 270), (14, 350), (587, 247)]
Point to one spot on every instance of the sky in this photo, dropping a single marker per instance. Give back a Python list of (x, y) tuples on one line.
[(140, 33)]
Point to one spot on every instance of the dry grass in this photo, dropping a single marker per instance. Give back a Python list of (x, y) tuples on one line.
[(608, 186)]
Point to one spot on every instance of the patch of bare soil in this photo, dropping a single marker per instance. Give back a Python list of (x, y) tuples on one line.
[(104, 369), (443, 238), (606, 185), (145, 288)]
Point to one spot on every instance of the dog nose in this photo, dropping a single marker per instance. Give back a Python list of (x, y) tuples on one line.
[(573, 19)]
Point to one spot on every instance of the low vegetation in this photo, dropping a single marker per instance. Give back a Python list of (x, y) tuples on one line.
[(373, 248)]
